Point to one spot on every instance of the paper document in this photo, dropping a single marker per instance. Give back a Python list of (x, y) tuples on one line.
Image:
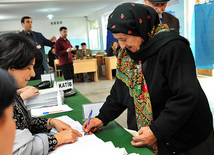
[(86, 145), (50, 110), (132, 132), (47, 97), (88, 107)]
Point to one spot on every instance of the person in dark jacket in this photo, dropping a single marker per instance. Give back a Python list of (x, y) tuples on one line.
[(164, 17), (157, 82), (52, 57), (113, 49), (40, 41)]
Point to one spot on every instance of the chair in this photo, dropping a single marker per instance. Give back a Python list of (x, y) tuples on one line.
[(57, 70)]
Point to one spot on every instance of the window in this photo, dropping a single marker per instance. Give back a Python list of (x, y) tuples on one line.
[(94, 35)]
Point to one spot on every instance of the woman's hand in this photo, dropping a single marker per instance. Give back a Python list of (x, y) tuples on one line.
[(67, 136), (93, 125), (59, 125), (28, 92), (146, 137)]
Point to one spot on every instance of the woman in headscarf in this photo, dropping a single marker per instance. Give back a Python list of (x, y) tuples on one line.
[(157, 82), (113, 49)]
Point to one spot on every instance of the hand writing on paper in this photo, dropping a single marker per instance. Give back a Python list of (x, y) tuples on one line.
[(93, 125), (28, 92), (146, 137), (67, 136)]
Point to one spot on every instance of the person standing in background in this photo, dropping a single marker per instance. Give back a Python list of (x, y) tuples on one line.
[(40, 42), (63, 49), (165, 18)]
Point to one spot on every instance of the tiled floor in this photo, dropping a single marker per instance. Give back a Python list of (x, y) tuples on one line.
[(98, 91)]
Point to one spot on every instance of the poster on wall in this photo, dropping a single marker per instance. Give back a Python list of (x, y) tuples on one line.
[(176, 8)]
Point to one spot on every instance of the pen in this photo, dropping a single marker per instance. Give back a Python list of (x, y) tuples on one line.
[(89, 117), (52, 112)]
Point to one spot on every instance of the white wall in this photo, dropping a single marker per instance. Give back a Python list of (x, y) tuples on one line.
[(77, 29), (99, 16)]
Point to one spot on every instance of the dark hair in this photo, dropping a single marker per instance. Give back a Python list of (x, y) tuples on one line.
[(113, 43), (25, 17), (7, 90), (83, 44), (77, 47), (62, 28), (17, 51)]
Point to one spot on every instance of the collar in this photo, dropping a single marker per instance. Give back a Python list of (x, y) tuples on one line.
[(27, 33), (63, 39)]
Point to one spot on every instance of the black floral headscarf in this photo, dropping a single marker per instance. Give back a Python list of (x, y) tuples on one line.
[(133, 19)]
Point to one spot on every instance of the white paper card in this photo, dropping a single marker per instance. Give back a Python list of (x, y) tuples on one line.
[(48, 77), (132, 132), (88, 107), (64, 85)]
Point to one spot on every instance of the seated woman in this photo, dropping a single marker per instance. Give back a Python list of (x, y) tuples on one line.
[(113, 49), (18, 56), (7, 125)]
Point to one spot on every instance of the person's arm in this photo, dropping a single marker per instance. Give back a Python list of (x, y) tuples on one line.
[(112, 108), (78, 55), (90, 54), (28, 92), (48, 42), (184, 86), (59, 51), (26, 143)]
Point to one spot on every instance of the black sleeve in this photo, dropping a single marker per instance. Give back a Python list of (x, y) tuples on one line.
[(111, 109), (184, 86), (110, 52), (47, 42)]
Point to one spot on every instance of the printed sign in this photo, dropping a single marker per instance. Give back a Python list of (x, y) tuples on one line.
[(64, 85)]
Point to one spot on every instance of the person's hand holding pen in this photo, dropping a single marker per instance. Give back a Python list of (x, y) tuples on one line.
[(93, 125)]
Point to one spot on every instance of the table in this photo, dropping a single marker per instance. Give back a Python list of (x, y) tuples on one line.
[(82, 66), (85, 66), (111, 63), (100, 63), (112, 132)]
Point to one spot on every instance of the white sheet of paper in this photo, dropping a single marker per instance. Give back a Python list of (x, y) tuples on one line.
[(50, 110), (86, 145), (48, 77), (88, 107), (132, 132)]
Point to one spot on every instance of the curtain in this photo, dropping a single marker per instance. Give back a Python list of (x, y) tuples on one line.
[(203, 35)]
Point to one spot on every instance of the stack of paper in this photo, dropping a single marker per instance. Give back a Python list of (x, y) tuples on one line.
[(47, 97), (50, 110), (89, 144)]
